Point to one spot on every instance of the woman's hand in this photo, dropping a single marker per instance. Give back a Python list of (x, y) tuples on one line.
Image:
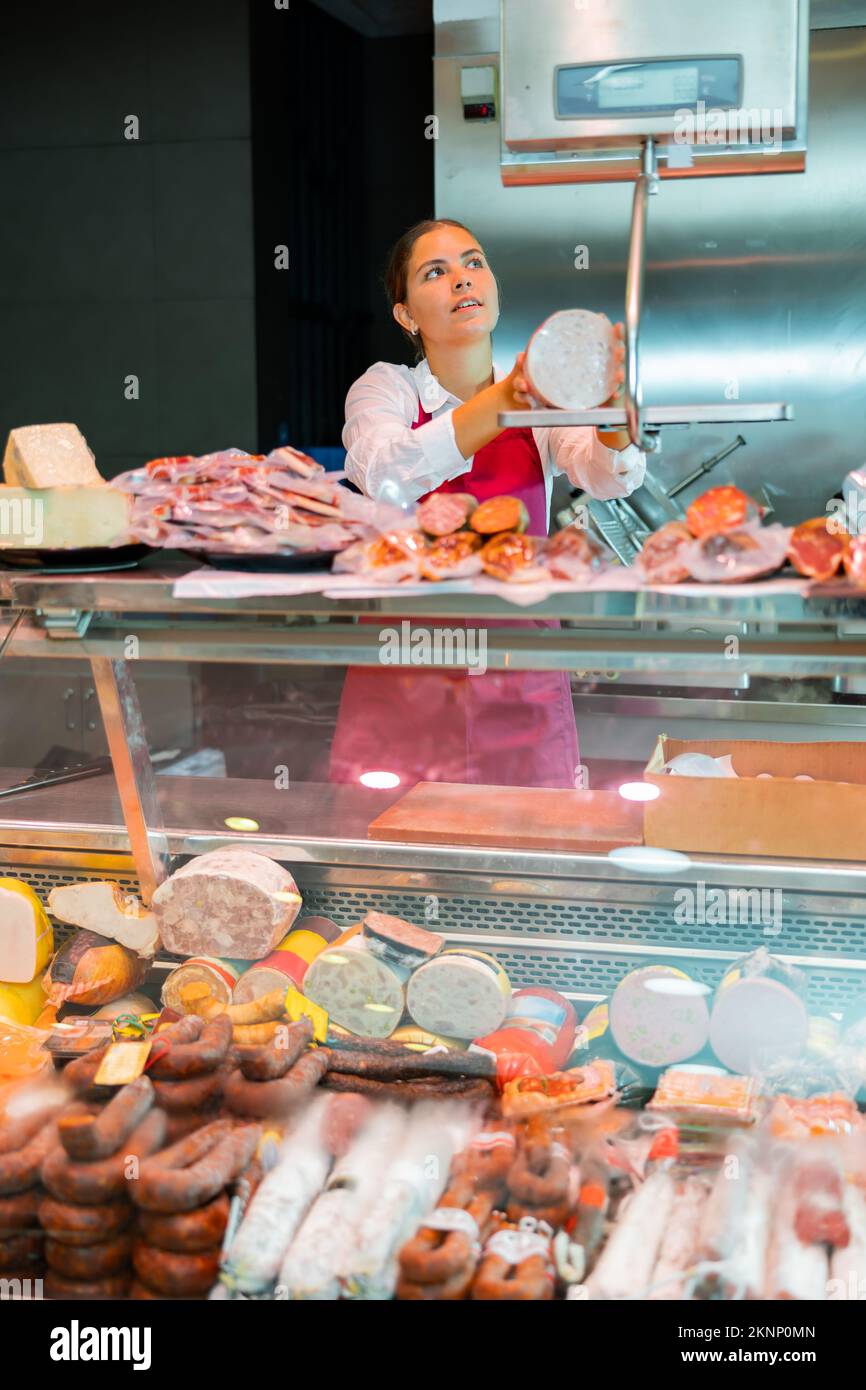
[(514, 388)]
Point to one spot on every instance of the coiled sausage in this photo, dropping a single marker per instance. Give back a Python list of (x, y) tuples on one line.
[(112, 1286), (87, 1137), (187, 1232), (89, 1261), (264, 1099), (73, 1224), (434, 1256), (106, 1178), (20, 1212), (540, 1173), (273, 1060), (195, 1170), (20, 1249), (184, 1060), (173, 1274), (177, 1096), (21, 1169)]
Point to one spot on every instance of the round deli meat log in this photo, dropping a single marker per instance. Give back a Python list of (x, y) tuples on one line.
[(230, 902)]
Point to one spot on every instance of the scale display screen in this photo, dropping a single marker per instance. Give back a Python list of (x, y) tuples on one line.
[(653, 86)]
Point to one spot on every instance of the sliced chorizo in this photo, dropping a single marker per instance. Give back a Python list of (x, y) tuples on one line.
[(70, 1223), (195, 1170), (268, 1099), (89, 1261), (173, 1274), (275, 1057), (111, 1286), (183, 1060), (86, 1137), (106, 1178), (187, 1232)]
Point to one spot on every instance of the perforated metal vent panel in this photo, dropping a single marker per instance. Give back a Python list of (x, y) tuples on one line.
[(593, 931)]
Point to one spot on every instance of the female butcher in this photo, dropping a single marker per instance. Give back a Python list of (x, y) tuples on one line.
[(433, 428)]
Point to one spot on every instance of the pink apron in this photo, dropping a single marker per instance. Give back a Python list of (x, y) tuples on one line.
[(502, 728)]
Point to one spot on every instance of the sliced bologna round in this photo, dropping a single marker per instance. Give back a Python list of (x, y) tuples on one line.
[(460, 993), (357, 989), (570, 360), (658, 1015)]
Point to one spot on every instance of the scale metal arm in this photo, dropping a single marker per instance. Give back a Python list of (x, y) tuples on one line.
[(643, 422)]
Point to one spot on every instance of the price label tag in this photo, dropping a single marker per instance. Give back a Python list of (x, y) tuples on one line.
[(298, 1007), (122, 1063)]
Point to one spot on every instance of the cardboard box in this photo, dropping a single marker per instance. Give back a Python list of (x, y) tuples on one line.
[(770, 816)]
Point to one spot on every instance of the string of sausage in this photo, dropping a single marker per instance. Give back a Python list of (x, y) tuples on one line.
[(104, 1179), (263, 1099), (187, 1059), (196, 1169), (86, 1137)]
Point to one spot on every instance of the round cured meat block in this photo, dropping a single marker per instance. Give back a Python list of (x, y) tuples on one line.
[(570, 361)]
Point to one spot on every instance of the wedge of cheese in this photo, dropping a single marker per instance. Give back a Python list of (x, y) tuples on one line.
[(104, 909), (49, 456), (26, 935), (63, 518)]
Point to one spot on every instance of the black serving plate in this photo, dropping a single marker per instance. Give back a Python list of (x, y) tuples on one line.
[(297, 563), (100, 559)]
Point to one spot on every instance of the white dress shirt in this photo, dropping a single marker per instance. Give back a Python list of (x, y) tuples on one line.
[(380, 443)]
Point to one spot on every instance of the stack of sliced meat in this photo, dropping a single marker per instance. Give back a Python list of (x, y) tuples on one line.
[(236, 503)]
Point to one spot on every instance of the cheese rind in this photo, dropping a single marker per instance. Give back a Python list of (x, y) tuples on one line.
[(26, 936), (49, 456), (63, 518)]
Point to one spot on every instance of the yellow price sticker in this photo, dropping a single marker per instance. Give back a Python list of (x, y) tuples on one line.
[(298, 1006)]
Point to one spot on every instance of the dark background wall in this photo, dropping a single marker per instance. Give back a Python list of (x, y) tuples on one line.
[(125, 256), (341, 167), (154, 257)]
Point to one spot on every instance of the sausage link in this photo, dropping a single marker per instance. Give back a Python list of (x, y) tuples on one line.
[(183, 1030), (435, 1088), (256, 1034), (265, 1099), (173, 1274), (112, 1286), (409, 1065), (15, 1132), (107, 1178), (187, 1232), (72, 1224), (139, 1292), (433, 1257), (540, 1174), (183, 1123), (21, 1212), (87, 1137), (89, 1261), (555, 1215), (176, 1096), (20, 1249), (20, 1170), (449, 1291), (196, 1169), (488, 1160), (273, 1060), (195, 1058), (81, 1073), (528, 1282)]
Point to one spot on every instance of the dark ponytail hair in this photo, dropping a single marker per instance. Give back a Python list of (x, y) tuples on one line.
[(396, 271)]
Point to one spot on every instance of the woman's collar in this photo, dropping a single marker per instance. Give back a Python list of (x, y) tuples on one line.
[(431, 393)]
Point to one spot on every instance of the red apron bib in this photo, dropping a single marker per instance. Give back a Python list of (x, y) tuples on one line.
[(502, 728)]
